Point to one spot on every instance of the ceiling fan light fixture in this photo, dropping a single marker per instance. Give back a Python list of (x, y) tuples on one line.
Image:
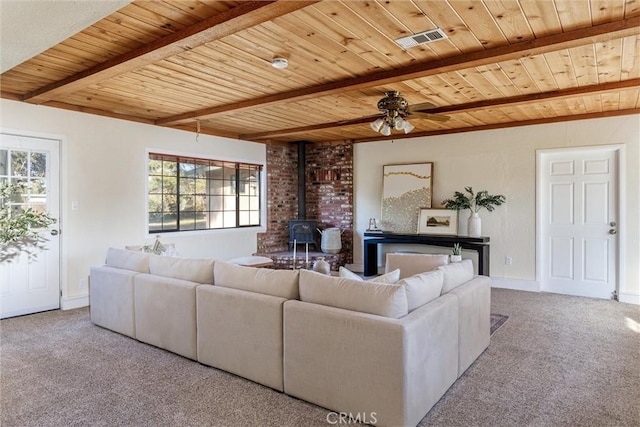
[(386, 129), (399, 123), (279, 63), (377, 124), (408, 127)]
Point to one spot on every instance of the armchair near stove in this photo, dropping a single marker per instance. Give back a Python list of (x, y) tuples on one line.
[(410, 264)]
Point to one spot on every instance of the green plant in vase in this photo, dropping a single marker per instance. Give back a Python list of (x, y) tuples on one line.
[(474, 202), (456, 253), (20, 229)]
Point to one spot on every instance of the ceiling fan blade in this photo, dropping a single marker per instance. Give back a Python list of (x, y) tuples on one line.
[(434, 117), (423, 106)]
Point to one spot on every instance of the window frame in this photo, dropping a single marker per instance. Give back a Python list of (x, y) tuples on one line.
[(240, 166)]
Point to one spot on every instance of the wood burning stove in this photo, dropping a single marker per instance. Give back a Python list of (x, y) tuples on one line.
[(302, 231)]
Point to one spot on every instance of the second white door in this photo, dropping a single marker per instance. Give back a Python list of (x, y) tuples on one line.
[(579, 221)]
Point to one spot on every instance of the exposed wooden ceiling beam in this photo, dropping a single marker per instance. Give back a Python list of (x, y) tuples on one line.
[(460, 108), (97, 112), (567, 40), (532, 122), (310, 128), (245, 15)]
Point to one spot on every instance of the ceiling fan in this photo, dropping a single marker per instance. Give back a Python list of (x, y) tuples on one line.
[(396, 109)]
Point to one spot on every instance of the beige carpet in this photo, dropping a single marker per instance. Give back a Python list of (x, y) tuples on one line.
[(558, 360)]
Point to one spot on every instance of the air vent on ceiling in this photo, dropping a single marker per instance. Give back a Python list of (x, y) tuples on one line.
[(421, 38)]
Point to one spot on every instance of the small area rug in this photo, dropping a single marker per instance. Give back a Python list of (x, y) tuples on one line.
[(497, 320)]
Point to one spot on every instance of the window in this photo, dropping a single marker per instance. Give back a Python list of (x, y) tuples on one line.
[(187, 193)]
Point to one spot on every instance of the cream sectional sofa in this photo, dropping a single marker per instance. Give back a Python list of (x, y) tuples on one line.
[(383, 353)]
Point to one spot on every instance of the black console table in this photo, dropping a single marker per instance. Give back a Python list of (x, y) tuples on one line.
[(373, 239)]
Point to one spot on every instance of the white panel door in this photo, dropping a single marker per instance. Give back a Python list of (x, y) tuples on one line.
[(32, 285), (579, 222)]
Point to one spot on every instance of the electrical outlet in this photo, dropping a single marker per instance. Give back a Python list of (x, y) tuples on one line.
[(84, 284), (508, 260)]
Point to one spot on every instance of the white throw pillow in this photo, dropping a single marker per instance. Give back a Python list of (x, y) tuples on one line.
[(422, 288), (389, 278), (366, 297), (277, 283), (456, 274), (192, 270), (128, 260)]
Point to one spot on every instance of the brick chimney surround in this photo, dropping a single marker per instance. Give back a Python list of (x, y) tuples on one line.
[(327, 199)]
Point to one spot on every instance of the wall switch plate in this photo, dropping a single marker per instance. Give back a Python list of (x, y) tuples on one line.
[(508, 260), (74, 205)]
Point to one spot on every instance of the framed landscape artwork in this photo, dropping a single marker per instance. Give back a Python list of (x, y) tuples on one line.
[(405, 188), (438, 221)]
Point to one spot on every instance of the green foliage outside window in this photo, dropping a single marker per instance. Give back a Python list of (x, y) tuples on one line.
[(20, 228)]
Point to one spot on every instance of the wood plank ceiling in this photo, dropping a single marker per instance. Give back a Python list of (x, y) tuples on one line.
[(206, 65)]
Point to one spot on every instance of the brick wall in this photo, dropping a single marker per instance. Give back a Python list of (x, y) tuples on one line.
[(282, 190), (329, 193), (329, 189)]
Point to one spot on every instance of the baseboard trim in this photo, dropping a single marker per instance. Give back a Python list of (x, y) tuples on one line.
[(629, 298), (515, 284), (75, 302)]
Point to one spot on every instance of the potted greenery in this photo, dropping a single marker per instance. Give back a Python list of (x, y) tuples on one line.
[(474, 202), (19, 229), (456, 253)]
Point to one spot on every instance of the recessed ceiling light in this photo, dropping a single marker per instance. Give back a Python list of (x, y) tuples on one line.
[(279, 62)]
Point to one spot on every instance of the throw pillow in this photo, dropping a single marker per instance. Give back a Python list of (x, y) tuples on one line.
[(422, 288), (373, 298), (389, 278), (456, 274)]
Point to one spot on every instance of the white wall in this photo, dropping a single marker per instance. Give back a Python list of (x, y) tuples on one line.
[(502, 162), (104, 170), (103, 163)]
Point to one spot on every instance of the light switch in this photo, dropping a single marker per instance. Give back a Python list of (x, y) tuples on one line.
[(74, 205)]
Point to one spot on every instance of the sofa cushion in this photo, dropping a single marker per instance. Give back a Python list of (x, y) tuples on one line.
[(366, 297), (390, 277), (128, 260), (411, 264), (456, 274), (191, 270), (278, 283), (422, 288)]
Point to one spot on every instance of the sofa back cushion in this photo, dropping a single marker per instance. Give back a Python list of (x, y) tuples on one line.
[(366, 297), (455, 274), (189, 269), (422, 288), (412, 264), (128, 260), (277, 283)]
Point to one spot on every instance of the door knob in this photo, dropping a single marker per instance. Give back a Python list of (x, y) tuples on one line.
[(612, 223), (54, 232), (612, 231)]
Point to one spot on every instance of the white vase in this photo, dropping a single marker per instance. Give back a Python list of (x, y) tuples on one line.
[(455, 258), (322, 266), (474, 225)]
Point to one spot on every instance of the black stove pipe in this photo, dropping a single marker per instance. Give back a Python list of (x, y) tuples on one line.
[(302, 190)]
